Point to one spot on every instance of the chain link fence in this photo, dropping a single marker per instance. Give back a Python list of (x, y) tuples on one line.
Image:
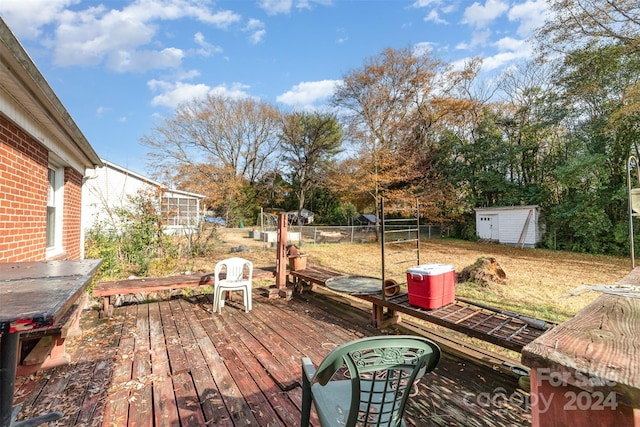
[(308, 234)]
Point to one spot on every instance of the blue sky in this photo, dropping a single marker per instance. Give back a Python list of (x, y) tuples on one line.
[(119, 66)]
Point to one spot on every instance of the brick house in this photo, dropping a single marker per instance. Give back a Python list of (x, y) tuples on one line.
[(43, 159)]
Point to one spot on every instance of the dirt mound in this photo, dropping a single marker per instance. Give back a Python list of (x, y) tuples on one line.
[(485, 271)]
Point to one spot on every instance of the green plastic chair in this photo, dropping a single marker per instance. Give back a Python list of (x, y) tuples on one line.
[(366, 382)]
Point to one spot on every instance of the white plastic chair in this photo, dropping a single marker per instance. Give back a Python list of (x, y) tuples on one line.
[(234, 280)]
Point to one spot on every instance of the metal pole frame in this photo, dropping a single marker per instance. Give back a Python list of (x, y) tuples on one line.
[(383, 241), (631, 214)]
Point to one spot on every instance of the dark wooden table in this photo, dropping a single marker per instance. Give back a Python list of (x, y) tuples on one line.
[(33, 295), (586, 371)]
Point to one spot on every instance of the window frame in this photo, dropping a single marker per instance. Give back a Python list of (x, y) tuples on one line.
[(55, 200), (179, 212)]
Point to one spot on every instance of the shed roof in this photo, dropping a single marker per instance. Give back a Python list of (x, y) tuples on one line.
[(367, 217), (507, 208)]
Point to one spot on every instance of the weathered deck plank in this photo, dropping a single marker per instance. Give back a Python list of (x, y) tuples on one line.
[(141, 401), (117, 408), (165, 409), (190, 412), (256, 358), (242, 376), (205, 363), (235, 369)]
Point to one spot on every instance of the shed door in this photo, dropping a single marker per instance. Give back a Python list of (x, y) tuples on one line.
[(488, 227)]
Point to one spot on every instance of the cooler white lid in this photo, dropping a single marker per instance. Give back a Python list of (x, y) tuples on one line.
[(431, 269)]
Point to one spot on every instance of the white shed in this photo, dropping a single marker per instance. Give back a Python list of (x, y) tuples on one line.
[(112, 186), (510, 225)]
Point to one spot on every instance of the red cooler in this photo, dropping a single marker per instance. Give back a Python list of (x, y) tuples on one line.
[(431, 286)]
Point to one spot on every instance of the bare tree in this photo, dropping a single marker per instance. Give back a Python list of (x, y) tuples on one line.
[(215, 145), (575, 23), (310, 141)]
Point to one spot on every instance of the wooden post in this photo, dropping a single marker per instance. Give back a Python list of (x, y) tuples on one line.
[(281, 253)]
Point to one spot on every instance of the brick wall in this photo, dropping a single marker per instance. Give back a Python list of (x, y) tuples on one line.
[(23, 199), (23, 195), (72, 213)]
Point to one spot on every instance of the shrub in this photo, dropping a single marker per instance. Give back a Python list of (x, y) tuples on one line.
[(131, 239)]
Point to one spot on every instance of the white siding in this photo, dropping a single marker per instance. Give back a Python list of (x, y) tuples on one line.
[(111, 187), (107, 190), (511, 222)]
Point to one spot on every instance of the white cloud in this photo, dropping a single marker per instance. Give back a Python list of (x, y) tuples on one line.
[(434, 16), (459, 64), (172, 94), (510, 50), (342, 35), (480, 16), (257, 36), (283, 7), (140, 61), (501, 59), (206, 48), (303, 4), (235, 91), (437, 9), (305, 94), (26, 18), (531, 14), (449, 8), (88, 36), (425, 3), (121, 38), (150, 10), (480, 38), (187, 75), (100, 111), (510, 44), (276, 7), (256, 29), (423, 48)]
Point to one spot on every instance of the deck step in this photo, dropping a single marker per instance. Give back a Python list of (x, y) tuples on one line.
[(40, 352)]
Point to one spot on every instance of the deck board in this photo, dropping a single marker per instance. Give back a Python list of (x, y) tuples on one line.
[(140, 408), (233, 369), (165, 409)]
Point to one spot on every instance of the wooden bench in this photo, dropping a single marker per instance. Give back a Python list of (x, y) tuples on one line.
[(312, 276), (157, 284), (45, 347), (146, 285)]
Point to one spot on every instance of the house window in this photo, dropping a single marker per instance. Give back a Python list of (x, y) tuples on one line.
[(179, 211), (54, 210)]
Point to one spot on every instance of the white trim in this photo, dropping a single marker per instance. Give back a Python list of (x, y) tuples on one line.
[(58, 227), (508, 208), (149, 180)]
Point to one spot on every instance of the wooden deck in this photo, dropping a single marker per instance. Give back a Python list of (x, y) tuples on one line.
[(175, 363)]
